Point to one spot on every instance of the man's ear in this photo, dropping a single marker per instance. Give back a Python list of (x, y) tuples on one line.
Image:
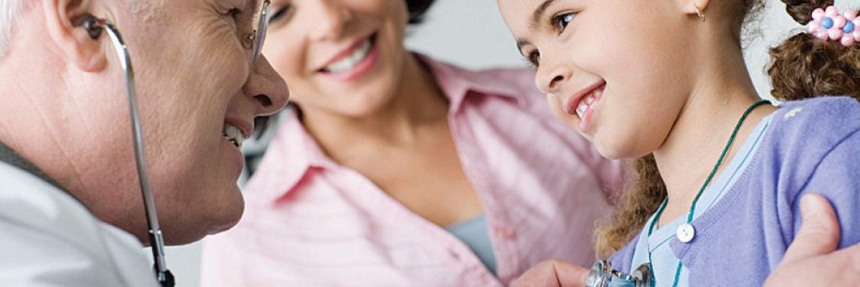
[(63, 19)]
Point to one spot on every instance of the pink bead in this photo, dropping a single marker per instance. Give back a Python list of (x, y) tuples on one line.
[(847, 41), (838, 22), (850, 15), (831, 12), (822, 35), (818, 14), (857, 35), (814, 26), (834, 34)]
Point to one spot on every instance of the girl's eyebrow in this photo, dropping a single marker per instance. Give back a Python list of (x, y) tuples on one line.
[(537, 15), (535, 20)]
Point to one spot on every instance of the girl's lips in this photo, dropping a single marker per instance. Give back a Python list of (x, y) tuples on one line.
[(585, 105), (573, 102)]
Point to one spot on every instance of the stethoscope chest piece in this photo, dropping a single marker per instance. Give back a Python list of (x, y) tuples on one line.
[(602, 275)]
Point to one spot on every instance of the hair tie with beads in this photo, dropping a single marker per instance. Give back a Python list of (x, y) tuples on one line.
[(829, 24)]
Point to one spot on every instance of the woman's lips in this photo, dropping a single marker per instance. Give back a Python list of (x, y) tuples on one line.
[(350, 66)]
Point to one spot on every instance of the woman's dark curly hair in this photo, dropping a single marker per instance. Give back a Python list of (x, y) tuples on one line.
[(417, 9)]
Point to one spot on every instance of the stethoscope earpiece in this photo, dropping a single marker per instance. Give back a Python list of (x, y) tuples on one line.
[(94, 26)]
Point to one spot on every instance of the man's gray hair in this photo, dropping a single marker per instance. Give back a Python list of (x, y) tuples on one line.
[(10, 10)]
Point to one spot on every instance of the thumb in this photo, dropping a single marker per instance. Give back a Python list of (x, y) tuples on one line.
[(819, 232)]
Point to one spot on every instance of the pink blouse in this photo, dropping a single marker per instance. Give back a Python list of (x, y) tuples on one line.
[(311, 222)]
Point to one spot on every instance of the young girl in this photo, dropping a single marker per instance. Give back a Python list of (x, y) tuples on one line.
[(393, 169), (722, 173)]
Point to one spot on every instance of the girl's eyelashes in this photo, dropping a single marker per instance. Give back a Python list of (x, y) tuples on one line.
[(560, 21), (533, 58)]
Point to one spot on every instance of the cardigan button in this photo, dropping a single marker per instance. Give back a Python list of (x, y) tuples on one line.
[(686, 233)]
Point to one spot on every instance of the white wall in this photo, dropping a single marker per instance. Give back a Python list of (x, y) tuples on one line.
[(471, 33)]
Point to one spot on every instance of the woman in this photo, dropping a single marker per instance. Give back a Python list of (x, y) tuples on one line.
[(71, 212), (395, 170)]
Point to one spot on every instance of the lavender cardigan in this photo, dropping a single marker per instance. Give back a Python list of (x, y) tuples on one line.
[(812, 146)]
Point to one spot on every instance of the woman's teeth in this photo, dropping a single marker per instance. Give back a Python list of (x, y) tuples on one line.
[(352, 60), (233, 134), (588, 102)]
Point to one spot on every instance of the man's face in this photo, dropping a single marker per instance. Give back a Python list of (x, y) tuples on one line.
[(195, 80)]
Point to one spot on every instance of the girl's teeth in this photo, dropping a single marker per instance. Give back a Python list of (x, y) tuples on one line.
[(587, 103), (580, 110), (352, 60)]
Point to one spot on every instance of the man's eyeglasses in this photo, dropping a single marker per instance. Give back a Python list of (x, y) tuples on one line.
[(258, 37)]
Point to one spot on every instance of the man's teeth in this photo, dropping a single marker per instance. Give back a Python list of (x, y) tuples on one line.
[(352, 60), (588, 102), (233, 134)]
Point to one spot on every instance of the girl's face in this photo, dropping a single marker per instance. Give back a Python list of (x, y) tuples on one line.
[(344, 57), (619, 71)]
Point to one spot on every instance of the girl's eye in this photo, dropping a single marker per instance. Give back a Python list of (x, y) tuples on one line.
[(280, 14), (561, 21), (534, 58)]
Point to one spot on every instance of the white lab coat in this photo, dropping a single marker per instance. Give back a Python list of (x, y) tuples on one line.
[(47, 238)]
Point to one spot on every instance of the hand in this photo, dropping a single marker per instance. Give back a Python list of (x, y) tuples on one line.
[(812, 259), (553, 273)]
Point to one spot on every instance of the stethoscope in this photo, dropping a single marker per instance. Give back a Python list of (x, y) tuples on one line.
[(94, 27), (602, 275)]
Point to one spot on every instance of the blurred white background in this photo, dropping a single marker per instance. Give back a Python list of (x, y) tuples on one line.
[(471, 33)]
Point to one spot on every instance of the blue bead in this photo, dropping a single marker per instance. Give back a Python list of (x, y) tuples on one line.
[(849, 27), (827, 23)]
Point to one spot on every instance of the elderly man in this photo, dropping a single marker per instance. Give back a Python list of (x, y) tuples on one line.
[(71, 212)]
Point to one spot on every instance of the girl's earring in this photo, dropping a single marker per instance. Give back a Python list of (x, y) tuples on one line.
[(699, 12)]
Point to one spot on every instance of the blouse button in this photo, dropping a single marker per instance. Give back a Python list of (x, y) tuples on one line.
[(454, 255), (506, 232)]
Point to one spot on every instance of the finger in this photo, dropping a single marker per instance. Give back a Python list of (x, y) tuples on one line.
[(570, 275), (853, 254), (542, 275), (819, 232)]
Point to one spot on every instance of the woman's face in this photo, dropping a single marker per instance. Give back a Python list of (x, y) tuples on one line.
[(613, 69), (194, 78), (343, 57)]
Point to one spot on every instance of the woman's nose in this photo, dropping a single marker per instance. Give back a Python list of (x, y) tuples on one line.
[(330, 19)]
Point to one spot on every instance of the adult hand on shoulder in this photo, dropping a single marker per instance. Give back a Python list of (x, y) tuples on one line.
[(553, 273), (812, 259)]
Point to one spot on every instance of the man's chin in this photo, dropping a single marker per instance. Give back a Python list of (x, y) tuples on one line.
[(218, 220)]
